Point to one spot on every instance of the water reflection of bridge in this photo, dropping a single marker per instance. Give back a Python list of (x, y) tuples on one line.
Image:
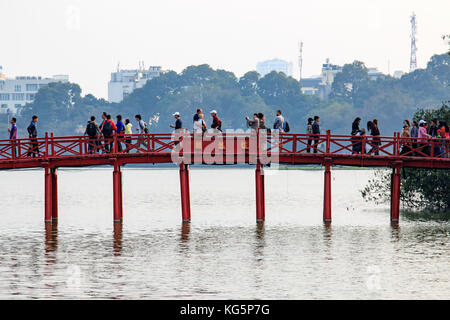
[(185, 149)]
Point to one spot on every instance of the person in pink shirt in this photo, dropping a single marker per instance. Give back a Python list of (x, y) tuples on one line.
[(422, 138)]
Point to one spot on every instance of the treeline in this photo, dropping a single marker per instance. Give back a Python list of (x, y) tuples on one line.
[(62, 109)]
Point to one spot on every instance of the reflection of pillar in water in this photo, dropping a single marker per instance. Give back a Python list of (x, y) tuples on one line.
[(185, 230), (117, 238)]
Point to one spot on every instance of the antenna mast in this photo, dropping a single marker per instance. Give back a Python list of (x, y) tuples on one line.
[(413, 59), (300, 61)]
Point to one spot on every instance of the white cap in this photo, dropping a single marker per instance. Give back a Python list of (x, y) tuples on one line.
[(422, 121), (176, 114), (213, 111)]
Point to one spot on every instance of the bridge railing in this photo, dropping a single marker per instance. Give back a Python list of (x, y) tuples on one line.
[(240, 144)]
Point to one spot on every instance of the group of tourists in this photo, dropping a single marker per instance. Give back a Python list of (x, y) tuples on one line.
[(416, 135), (359, 134), (421, 133)]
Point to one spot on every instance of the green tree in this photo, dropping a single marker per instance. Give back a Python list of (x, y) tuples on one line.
[(248, 83), (350, 82)]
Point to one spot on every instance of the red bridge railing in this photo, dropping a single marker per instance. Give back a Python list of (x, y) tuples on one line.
[(325, 145)]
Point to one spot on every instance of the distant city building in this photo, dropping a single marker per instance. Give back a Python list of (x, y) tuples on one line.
[(321, 85), (398, 74), (310, 86), (374, 74), (124, 82), (17, 92), (329, 71), (277, 65)]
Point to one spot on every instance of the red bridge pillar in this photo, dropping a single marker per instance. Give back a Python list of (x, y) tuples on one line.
[(51, 194), (185, 194), (117, 194), (327, 195), (395, 194), (54, 175), (260, 197)]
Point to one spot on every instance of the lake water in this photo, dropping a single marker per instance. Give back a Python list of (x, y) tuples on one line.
[(222, 253)]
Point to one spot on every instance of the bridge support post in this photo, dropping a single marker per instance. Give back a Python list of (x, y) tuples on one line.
[(54, 175), (51, 194), (117, 194), (48, 204), (260, 197), (185, 194), (395, 194), (327, 195)]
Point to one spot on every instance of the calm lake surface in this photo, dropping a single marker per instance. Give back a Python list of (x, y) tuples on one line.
[(222, 253)]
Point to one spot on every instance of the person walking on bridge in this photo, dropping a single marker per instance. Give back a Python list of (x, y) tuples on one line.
[(355, 132), (32, 134), (316, 131), (141, 129), (93, 132), (108, 130), (128, 132), (309, 131), (13, 135), (120, 131), (372, 127)]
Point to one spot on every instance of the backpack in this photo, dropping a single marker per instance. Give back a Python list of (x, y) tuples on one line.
[(286, 127), (107, 129), (91, 129)]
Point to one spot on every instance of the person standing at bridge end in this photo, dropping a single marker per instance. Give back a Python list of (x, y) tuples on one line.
[(32, 134), (316, 130)]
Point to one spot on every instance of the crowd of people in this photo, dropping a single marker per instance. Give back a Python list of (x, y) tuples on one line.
[(415, 136)]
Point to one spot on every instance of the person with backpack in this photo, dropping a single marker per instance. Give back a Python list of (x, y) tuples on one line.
[(120, 131), (32, 134), (93, 132), (141, 129), (278, 125), (108, 130), (216, 124)]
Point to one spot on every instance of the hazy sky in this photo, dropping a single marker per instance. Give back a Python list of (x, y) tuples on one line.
[(87, 38)]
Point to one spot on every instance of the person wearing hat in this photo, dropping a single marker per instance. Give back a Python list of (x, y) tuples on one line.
[(178, 123), (422, 138), (216, 124)]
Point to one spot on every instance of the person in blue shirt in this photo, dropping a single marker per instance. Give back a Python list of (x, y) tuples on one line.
[(178, 122), (120, 131)]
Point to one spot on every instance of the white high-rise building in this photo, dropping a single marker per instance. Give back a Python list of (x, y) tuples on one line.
[(18, 91), (277, 65), (124, 82)]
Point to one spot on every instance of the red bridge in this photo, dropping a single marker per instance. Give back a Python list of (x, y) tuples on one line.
[(259, 149)]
